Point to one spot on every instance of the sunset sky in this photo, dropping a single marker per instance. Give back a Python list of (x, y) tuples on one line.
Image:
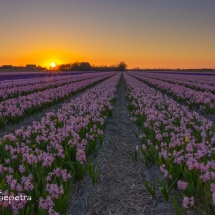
[(142, 33)]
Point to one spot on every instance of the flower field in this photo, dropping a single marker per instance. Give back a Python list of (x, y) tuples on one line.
[(13, 89), (181, 142), (194, 82), (43, 161), (202, 99), (15, 109)]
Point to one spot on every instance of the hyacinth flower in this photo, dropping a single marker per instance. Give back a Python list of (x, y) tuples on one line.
[(205, 101), (47, 156), (184, 142), (15, 109), (13, 89), (194, 82)]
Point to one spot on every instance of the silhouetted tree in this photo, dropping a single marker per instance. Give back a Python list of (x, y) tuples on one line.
[(122, 66), (64, 67), (85, 66), (81, 66)]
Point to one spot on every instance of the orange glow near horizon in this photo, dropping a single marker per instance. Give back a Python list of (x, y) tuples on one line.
[(139, 55), (150, 59)]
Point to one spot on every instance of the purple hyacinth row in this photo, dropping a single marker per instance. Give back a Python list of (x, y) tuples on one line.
[(179, 141), (191, 82), (41, 160), (13, 110), (205, 101), (24, 87), (41, 79)]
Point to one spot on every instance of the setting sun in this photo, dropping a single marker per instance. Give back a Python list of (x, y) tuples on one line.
[(53, 64)]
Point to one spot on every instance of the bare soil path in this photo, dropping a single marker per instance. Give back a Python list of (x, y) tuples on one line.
[(120, 190)]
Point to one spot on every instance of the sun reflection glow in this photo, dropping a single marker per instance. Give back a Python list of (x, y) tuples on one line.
[(53, 64)]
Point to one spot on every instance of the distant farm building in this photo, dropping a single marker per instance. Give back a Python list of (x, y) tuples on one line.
[(8, 67), (31, 66), (19, 67)]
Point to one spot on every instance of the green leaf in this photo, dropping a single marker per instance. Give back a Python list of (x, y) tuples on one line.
[(177, 210), (71, 165), (172, 185), (151, 189), (165, 193), (200, 211), (2, 184), (135, 133), (145, 162)]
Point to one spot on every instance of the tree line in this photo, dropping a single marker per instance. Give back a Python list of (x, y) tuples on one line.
[(85, 66)]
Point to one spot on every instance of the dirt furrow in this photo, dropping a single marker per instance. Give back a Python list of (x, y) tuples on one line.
[(120, 190)]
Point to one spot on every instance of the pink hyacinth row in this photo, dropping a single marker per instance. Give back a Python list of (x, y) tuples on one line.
[(34, 156), (184, 141), (202, 83), (203, 100), (194, 78), (27, 81), (13, 88), (26, 105)]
